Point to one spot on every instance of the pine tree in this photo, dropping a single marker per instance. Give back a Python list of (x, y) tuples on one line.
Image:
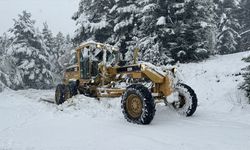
[(60, 41), (30, 53), (245, 42), (246, 75), (126, 34), (93, 20), (194, 31), (1, 45), (9, 75), (154, 31), (68, 39), (63, 48), (48, 38), (228, 38), (54, 50), (182, 29), (4, 43), (243, 17)]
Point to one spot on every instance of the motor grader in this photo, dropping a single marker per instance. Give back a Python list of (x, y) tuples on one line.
[(98, 70)]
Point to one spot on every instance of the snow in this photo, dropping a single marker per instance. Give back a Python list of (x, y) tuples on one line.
[(127, 9), (42, 57), (222, 119), (179, 5), (203, 24), (180, 11), (32, 76), (181, 53), (31, 64), (247, 31), (93, 26), (201, 50), (21, 49), (161, 21), (122, 24), (113, 9), (149, 8), (223, 18)]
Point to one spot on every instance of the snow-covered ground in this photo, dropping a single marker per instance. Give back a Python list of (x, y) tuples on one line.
[(222, 119)]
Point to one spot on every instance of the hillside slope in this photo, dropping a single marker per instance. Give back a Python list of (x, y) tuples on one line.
[(222, 119)]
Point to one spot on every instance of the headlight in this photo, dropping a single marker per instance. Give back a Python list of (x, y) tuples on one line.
[(98, 46), (143, 67)]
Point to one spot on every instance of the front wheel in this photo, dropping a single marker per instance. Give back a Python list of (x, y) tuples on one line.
[(138, 104), (187, 100)]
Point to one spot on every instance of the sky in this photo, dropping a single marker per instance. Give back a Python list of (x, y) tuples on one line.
[(57, 13)]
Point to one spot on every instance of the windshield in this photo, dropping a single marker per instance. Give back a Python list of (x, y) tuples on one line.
[(112, 58), (96, 54)]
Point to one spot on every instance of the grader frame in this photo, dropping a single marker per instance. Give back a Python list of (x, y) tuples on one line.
[(162, 84), (98, 69)]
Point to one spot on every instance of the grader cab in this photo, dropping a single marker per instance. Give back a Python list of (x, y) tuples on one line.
[(97, 70)]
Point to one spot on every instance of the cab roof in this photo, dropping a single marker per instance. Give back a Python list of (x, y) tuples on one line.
[(97, 45)]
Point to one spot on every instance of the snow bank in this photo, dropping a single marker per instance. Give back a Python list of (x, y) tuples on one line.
[(161, 21)]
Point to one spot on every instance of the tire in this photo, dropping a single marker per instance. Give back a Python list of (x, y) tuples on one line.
[(62, 93), (138, 104), (187, 103)]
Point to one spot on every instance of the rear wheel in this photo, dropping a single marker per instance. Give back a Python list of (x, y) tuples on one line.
[(62, 93), (138, 104), (187, 100)]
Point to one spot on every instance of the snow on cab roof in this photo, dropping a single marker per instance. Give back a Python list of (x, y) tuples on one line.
[(97, 45)]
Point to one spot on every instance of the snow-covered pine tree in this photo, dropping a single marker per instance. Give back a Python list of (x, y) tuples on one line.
[(183, 29), (29, 52), (68, 39), (228, 38), (243, 17), (4, 43), (49, 40), (93, 20), (194, 33), (54, 50), (154, 31), (1, 45), (62, 51), (245, 42), (125, 25), (176, 42), (9, 75), (81, 17), (246, 75), (60, 41)]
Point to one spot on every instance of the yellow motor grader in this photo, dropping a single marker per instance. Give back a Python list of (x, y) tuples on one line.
[(97, 70)]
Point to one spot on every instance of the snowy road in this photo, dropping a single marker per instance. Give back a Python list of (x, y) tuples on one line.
[(222, 120)]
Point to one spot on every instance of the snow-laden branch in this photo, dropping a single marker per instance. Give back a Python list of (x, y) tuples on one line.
[(244, 32)]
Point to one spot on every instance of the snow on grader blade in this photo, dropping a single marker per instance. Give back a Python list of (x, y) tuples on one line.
[(97, 70)]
